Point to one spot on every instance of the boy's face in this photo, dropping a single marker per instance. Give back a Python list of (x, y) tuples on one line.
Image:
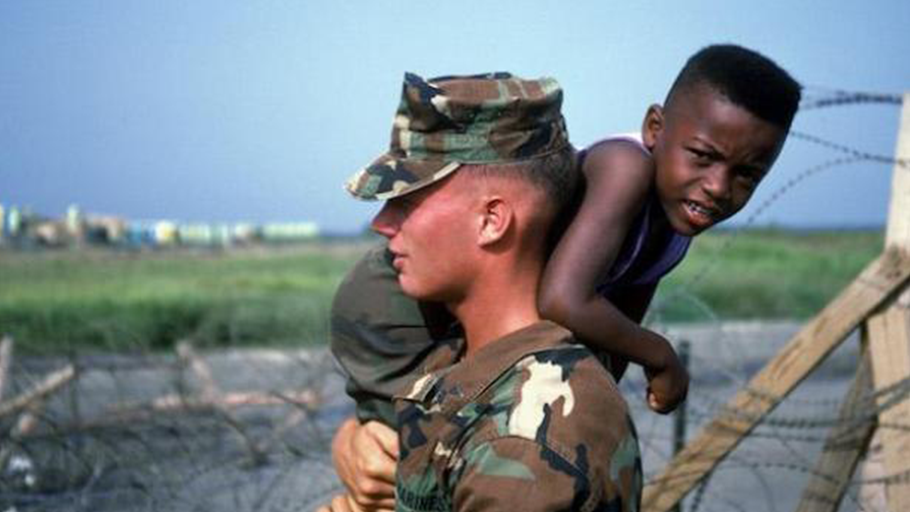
[(709, 156), (430, 238)]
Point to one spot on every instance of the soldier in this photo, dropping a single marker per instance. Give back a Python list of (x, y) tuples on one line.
[(479, 172)]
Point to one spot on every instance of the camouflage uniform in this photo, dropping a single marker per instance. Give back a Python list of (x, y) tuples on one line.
[(529, 422), (378, 335)]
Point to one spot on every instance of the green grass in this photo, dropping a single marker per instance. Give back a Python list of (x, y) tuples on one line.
[(764, 274), (71, 301), (62, 301)]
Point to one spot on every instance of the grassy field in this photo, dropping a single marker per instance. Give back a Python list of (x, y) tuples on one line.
[(70, 301), (763, 274), (58, 301)]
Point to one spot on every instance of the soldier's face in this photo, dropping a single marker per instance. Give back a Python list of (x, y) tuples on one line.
[(431, 239)]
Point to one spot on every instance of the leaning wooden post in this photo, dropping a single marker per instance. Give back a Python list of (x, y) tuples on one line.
[(846, 444), (889, 334), (874, 286)]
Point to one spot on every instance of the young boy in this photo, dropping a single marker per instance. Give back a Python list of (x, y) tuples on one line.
[(700, 158)]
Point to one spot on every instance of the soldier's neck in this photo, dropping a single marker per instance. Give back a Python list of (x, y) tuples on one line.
[(497, 308)]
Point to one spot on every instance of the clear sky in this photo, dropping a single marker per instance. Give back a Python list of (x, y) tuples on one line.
[(218, 110)]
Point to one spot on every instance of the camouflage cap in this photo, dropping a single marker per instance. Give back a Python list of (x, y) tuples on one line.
[(445, 122)]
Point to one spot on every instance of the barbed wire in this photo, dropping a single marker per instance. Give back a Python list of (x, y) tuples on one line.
[(868, 407), (849, 150), (816, 97), (153, 459), (149, 460)]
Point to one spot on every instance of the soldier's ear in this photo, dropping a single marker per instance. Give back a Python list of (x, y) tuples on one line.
[(496, 218)]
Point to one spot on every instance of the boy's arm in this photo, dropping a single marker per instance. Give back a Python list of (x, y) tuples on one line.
[(618, 177), (633, 303)]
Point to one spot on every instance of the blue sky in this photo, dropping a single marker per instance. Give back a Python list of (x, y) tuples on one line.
[(235, 110)]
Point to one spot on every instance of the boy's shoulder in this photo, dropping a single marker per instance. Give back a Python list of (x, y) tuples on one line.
[(618, 172), (616, 151)]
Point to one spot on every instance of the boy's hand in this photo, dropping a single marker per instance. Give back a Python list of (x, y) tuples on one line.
[(365, 457), (667, 386)]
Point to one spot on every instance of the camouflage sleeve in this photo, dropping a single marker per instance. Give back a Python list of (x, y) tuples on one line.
[(379, 336), (514, 473), (565, 441)]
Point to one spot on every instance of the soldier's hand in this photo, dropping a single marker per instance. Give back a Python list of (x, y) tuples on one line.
[(667, 386), (365, 457), (340, 503)]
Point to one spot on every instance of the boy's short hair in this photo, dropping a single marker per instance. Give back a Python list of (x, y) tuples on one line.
[(745, 77)]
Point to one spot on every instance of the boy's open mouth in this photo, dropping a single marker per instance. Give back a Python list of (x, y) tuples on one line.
[(701, 212)]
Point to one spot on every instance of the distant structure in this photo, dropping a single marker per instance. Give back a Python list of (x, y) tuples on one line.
[(22, 228)]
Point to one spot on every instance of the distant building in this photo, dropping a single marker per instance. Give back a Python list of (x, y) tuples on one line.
[(23, 228), (289, 231), (164, 232)]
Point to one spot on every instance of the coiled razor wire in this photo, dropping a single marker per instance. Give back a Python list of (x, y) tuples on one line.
[(867, 409), (869, 406)]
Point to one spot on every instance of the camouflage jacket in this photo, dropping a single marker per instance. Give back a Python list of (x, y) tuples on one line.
[(380, 337), (530, 422)]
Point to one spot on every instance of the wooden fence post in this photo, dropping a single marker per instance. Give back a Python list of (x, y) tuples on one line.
[(846, 443), (889, 334), (802, 354)]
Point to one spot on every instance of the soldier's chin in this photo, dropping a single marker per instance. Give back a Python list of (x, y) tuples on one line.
[(411, 289), (415, 291)]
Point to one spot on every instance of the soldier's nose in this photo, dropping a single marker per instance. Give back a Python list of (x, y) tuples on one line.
[(385, 222)]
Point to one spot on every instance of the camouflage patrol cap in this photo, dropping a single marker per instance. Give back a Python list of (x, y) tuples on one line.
[(445, 122)]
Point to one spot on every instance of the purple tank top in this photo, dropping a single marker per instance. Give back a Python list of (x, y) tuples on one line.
[(632, 267)]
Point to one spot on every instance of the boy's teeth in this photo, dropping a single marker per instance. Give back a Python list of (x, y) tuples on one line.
[(698, 209)]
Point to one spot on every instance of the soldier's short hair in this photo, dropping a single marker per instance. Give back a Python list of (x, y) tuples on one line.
[(556, 175)]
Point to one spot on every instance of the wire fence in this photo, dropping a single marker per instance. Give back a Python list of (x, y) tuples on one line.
[(251, 429)]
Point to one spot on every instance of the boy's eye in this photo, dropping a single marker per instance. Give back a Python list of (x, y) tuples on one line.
[(750, 176), (701, 156)]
